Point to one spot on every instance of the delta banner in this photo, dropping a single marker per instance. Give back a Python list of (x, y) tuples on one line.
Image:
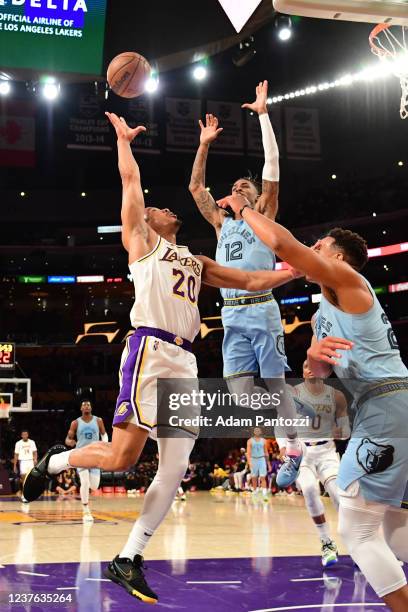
[(143, 111), (53, 35), (254, 134), (88, 127), (302, 133), (230, 116), (17, 134), (182, 130)]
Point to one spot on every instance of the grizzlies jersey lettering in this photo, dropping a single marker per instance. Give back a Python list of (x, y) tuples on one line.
[(324, 404), (375, 354), (257, 448), (167, 284), (239, 247), (87, 432)]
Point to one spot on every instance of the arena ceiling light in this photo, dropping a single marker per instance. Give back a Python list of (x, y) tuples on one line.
[(50, 88), (152, 83), (283, 25), (5, 87), (200, 72)]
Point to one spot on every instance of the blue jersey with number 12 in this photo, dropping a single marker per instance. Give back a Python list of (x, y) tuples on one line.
[(239, 247)]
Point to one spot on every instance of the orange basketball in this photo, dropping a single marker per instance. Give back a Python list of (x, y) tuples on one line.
[(128, 73)]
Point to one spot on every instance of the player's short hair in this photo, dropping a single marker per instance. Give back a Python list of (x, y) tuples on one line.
[(24, 431), (352, 245), (253, 179)]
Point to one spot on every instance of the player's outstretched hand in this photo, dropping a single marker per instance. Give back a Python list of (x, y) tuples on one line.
[(122, 129), (326, 349), (259, 106), (235, 201), (210, 131)]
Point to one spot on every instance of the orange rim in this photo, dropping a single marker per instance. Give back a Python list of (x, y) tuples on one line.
[(381, 27)]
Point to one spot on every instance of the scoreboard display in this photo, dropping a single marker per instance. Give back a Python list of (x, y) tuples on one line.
[(7, 356), (53, 35)]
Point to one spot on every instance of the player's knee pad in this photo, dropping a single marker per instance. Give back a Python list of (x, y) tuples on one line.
[(333, 490), (313, 500), (94, 480)]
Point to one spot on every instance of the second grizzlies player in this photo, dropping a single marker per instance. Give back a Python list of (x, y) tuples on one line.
[(87, 429), (253, 334)]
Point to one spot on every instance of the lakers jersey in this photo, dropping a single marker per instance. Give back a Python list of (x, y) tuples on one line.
[(324, 405), (167, 284), (239, 247)]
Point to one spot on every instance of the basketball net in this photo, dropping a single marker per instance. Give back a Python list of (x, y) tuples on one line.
[(390, 44)]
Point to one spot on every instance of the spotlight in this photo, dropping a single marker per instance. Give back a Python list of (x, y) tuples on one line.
[(245, 52), (283, 24), (5, 87), (152, 84), (50, 89), (200, 73)]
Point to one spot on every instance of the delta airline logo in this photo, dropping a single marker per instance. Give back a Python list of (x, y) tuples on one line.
[(63, 5), (239, 11)]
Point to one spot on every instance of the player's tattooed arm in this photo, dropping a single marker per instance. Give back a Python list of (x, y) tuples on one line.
[(268, 203), (70, 439), (204, 200)]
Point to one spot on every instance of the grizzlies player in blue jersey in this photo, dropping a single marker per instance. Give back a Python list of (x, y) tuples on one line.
[(253, 333), (354, 338), (258, 460), (86, 429)]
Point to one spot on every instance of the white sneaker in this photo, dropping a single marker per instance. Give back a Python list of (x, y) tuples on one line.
[(87, 516), (329, 554)]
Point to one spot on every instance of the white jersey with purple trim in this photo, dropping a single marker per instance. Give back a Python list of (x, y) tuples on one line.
[(167, 284), (324, 404)]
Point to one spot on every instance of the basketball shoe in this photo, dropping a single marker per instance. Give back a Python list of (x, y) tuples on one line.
[(129, 574)]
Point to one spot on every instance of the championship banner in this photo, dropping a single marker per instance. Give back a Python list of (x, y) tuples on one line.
[(302, 133), (229, 114), (141, 111), (182, 129), (88, 127), (17, 134), (254, 134)]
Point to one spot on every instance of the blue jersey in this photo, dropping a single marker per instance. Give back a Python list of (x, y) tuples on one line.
[(257, 448), (375, 354), (87, 433), (239, 247)]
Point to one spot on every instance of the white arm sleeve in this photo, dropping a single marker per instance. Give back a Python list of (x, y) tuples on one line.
[(104, 437), (344, 423), (271, 168)]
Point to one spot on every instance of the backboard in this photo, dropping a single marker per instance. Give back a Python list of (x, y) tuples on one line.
[(394, 12)]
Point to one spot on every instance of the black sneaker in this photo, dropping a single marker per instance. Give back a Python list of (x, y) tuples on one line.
[(129, 574), (36, 480)]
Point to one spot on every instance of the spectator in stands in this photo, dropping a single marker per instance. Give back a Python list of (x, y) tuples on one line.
[(65, 485)]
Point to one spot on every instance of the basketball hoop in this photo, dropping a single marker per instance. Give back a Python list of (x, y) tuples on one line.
[(390, 44)]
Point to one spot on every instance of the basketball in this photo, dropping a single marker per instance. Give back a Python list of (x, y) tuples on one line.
[(128, 73)]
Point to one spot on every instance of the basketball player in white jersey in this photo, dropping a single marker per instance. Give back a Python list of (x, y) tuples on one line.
[(354, 338), (321, 461), (86, 429), (253, 342), (25, 453), (167, 279)]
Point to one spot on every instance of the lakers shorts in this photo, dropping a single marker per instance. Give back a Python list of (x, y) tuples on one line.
[(322, 460), (145, 359)]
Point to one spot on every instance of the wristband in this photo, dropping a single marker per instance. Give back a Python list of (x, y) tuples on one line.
[(243, 208)]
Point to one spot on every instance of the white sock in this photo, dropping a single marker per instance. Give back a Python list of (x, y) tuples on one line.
[(293, 447), (59, 463), (265, 491), (324, 533), (137, 541), (180, 491)]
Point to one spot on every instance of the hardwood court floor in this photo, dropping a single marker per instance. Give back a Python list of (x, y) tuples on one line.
[(205, 526), (213, 553)]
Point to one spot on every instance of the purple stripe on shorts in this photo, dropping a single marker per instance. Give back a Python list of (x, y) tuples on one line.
[(124, 402)]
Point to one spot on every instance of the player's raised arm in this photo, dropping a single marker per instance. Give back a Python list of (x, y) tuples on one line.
[(70, 439), (233, 278), (204, 200), (267, 203), (136, 235)]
